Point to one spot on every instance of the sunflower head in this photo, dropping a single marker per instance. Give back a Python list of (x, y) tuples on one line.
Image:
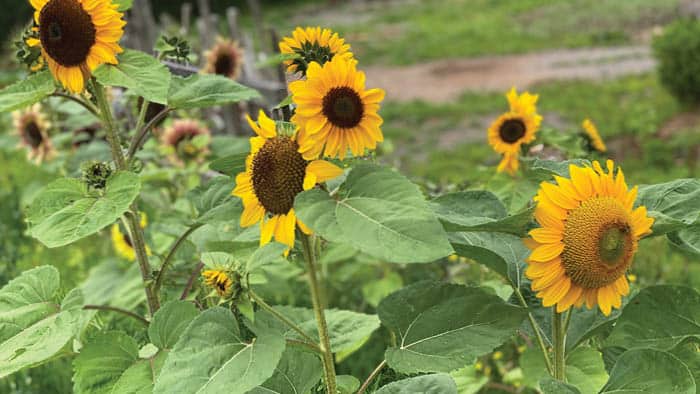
[(587, 239), (593, 138), (121, 240), (334, 111), (275, 173), (32, 128), (312, 44), (225, 58), (187, 139), (76, 36), (226, 284)]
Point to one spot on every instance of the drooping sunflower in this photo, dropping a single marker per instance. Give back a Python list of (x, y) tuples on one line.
[(313, 44), (275, 173), (122, 241), (587, 239), (225, 58), (179, 139), (593, 138), (32, 128), (76, 36), (514, 128), (335, 112), (218, 280)]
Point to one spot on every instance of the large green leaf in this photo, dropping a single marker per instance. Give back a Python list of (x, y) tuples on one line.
[(297, 372), (441, 327), (503, 253), (66, 211), (215, 203), (124, 5), (674, 204), (551, 386), (392, 222), (585, 370), (27, 91), (229, 165), (478, 210), (197, 91), (649, 371), (212, 356), (659, 317), (139, 72), (34, 327), (345, 328), (438, 383), (170, 321)]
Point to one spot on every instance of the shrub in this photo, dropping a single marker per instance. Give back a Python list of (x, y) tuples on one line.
[(678, 53)]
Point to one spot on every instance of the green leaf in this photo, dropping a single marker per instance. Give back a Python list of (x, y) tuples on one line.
[(229, 165), (438, 383), (550, 168), (503, 253), (374, 291), (287, 101), (551, 386), (123, 5), (139, 72), (585, 370), (170, 321), (478, 210), (140, 377), (197, 91), (27, 91), (392, 222), (215, 203), (277, 59), (687, 239), (66, 211), (347, 384), (34, 327), (102, 361), (345, 328), (265, 255), (659, 317), (441, 327), (468, 380), (674, 204), (212, 356), (297, 372), (649, 371)]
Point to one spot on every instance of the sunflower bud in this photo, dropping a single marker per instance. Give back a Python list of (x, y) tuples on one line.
[(95, 174)]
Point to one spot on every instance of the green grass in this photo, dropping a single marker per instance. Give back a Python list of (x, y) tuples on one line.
[(414, 31)]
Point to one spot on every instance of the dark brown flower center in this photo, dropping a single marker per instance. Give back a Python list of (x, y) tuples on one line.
[(66, 32), (512, 130), (278, 174), (32, 134), (224, 64), (343, 107)]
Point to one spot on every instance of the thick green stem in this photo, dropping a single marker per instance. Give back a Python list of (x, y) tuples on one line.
[(325, 345), (559, 339), (536, 329), (132, 217)]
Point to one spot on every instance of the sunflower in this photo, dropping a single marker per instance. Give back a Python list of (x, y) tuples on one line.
[(218, 280), (179, 138), (312, 44), (587, 239), (335, 112), (122, 241), (32, 128), (514, 128), (225, 58), (275, 173), (595, 142), (76, 36)]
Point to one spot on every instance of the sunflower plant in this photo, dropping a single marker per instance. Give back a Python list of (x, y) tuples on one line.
[(236, 263)]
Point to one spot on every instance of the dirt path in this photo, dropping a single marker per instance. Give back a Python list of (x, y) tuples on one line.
[(445, 80)]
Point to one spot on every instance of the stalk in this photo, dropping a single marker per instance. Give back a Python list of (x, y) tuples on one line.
[(325, 345), (538, 334), (559, 339)]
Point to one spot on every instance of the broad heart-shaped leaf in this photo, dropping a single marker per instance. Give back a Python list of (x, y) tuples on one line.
[(215, 203), (345, 328), (438, 383), (297, 372), (503, 253), (441, 327), (687, 239), (649, 371), (551, 386), (584, 369), (170, 321), (33, 326), (66, 211), (27, 91), (139, 72), (197, 91), (674, 204), (478, 210), (659, 317), (212, 356), (392, 222)]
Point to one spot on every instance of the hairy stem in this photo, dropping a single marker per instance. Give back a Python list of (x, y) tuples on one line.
[(190, 281), (371, 377), (559, 339), (118, 310), (142, 133), (280, 316), (325, 345), (536, 329), (168, 259)]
